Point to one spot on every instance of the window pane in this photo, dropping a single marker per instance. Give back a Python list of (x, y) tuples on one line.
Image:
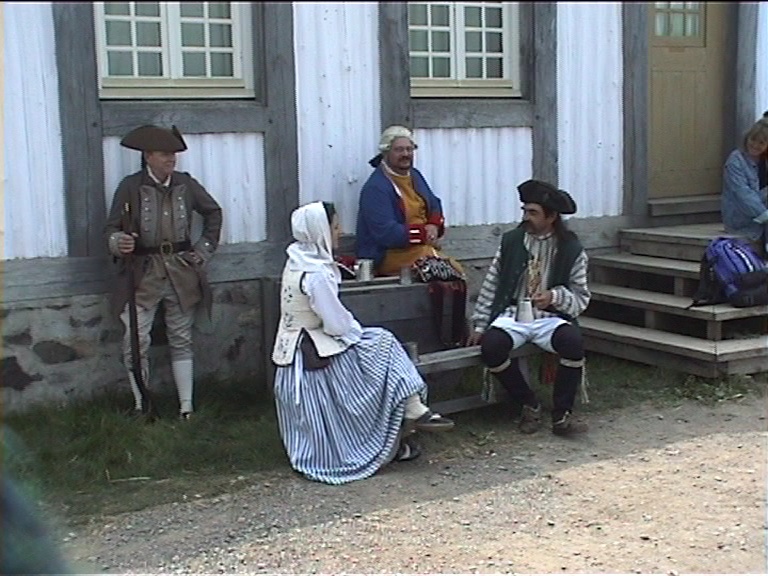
[(494, 68), (419, 67), (150, 64), (147, 9), (692, 25), (419, 40), (194, 64), (662, 5), (192, 34), (119, 64), (118, 33), (441, 67), (219, 10), (676, 24), (692, 5), (493, 42), (676, 5), (472, 16), (192, 9), (473, 41), (147, 34), (441, 42), (417, 14), (221, 64), (117, 9), (493, 17), (474, 67), (439, 15), (220, 35), (661, 24)]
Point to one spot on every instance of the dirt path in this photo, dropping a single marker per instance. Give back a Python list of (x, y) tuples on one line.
[(673, 490)]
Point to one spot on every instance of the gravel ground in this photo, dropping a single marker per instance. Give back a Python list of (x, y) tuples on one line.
[(649, 490)]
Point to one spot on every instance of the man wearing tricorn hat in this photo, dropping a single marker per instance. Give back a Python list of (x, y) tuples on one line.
[(148, 228), (533, 291)]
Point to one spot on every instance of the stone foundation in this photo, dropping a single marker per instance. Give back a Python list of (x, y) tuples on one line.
[(59, 349)]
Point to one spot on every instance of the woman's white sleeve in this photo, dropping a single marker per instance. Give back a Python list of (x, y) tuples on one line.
[(323, 295)]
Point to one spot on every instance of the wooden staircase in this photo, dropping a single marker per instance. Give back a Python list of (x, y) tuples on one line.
[(639, 308)]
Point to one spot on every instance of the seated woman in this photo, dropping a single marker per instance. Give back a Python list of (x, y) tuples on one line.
[(744, 205), (399, 219), (347, 397)]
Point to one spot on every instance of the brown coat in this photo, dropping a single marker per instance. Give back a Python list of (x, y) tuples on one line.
[(158, 215)]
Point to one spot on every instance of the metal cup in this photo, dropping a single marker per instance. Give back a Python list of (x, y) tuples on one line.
[(524, 311), (365, 270), (405, 275)]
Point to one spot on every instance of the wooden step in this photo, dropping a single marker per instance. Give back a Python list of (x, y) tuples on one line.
[(685, 242), (671, 304), (683, 353), (648, 264), (684, 205)]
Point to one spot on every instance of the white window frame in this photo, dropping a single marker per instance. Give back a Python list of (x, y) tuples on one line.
[(172, 85), (458, 85)]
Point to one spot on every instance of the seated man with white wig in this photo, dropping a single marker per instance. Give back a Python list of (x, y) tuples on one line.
[(399, 219)]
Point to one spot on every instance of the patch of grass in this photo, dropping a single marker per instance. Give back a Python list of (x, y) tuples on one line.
[(90, 458)]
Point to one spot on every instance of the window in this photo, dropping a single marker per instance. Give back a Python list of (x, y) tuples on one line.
[(464, 49), (174, 49), (679, 23)]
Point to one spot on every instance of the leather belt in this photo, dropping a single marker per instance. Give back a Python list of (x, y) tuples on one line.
[(166, 248)]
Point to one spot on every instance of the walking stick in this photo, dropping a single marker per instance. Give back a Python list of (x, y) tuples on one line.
[(147, 406)]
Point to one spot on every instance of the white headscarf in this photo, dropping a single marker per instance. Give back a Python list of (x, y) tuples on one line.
[(313, 249)]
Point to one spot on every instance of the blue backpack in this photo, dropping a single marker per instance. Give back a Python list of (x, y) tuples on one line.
[(731, 271)]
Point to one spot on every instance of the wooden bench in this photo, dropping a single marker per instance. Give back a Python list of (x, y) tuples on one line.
[(405, 310), (457, 358)]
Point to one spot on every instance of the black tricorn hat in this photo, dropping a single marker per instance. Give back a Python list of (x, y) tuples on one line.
[(543, 193), (152, 138)]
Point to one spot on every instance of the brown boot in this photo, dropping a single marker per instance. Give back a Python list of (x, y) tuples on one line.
[(568, 425), (530, 419)]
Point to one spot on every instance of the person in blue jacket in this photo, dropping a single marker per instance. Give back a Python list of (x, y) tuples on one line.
[(399, 219), (744, 201)]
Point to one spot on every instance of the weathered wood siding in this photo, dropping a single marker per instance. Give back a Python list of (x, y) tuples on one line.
[(230, 166), (337, 101), (475, 171), (33, 180), (589, 102), (761, 79)]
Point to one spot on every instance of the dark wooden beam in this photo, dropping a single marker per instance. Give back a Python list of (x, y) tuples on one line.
[(280, 139), (544, 92), (80, 114), (746, 71), (394, 65), (636, 110)]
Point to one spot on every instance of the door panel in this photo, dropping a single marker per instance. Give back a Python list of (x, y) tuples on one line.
[(687, 99)]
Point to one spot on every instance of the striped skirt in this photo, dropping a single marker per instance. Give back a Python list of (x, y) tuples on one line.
[(341, 423)]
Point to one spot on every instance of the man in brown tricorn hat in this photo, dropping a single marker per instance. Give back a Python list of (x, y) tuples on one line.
[(148, 230), (534, 290)]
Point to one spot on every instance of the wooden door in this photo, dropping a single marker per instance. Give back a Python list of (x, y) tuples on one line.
[(687, 97)]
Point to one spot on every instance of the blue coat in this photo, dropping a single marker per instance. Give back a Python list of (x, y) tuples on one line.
[(381, 215), (743, 205)]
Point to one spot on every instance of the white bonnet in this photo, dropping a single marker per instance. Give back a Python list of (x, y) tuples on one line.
[(393, 133)]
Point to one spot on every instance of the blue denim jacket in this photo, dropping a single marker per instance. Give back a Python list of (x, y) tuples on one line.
[(743, 204)]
